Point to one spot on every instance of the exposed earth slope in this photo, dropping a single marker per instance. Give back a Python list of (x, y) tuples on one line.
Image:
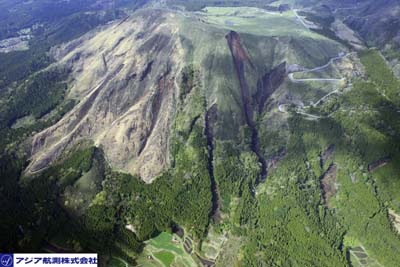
[(125, 78)]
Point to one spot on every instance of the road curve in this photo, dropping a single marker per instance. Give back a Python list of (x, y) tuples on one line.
[(330, 62)]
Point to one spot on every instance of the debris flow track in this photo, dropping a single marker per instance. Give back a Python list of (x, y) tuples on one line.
[(210, 119), (240, 59)]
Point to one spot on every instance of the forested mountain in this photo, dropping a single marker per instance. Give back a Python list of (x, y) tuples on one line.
[(201, 133)]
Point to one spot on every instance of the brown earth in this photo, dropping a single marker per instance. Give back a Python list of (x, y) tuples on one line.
[(328, 184), (125, 88)]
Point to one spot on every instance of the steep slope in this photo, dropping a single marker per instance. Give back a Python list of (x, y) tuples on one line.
[(126, 78), (376, 21), (124, 81)]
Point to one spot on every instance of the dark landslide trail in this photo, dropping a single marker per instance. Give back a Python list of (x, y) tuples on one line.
[(210, 119), (240, 58), (269, 83)]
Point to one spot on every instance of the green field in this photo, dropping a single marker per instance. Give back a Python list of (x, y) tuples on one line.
[(165, 257), (256, 21), (163, 251), (164, 241)]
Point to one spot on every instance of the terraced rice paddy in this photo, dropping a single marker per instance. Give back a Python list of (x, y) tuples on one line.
[(213, 244), (165, 250), (359, 257)]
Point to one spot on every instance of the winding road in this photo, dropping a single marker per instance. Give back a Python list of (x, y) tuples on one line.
[(282, 108), (330, 62), (301, 19), (314, 80)]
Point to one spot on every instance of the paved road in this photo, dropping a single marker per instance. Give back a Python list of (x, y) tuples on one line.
[(292, 79), (325, 96), (330, 62), (300, 19)]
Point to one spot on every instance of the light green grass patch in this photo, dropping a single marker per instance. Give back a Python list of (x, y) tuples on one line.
[(162, 251), (164, 241), (213, 244), (165, 257), (23, 122), (350, 241), (256, 21)]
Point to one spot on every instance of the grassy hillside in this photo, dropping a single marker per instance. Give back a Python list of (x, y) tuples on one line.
[(253, 20), (193, 5)]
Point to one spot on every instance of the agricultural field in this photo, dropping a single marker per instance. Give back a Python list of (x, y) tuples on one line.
[(213, 244), (165, 250), (358, 255)]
